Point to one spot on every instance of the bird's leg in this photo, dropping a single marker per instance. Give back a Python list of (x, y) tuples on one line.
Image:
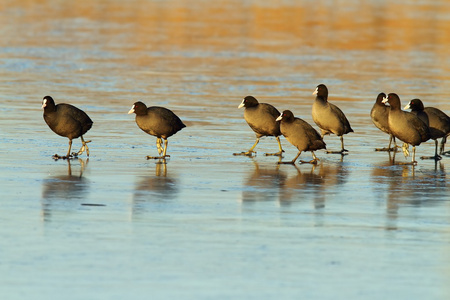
[(85, 145), (83, 148), (413, 159), (68, 155), (342, 145), (292, 162), (386, 149), (343, 150), (442, 150), (164, 152), (70, 148), (250, 151), (166, 142), (436, 156), (158, 145), (313, 161), (395, 144), (392, 138), (279, 153)]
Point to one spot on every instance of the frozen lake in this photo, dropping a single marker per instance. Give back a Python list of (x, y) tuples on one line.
[(207, 224)]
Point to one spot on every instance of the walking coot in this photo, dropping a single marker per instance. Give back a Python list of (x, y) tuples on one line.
[(329, 117), (406, 126), (157, 121), (261, 117), (300, 134), (68, 121)]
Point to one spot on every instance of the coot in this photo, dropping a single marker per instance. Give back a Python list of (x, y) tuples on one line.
[(261, 117), (329, 117), (379, 115), (417, 108), (157, 121), (68, 121), (300, 134), (438, 122), (406, 126)]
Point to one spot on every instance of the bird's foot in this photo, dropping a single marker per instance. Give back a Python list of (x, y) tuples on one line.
[(82, 149), (313, 161), (342, 152), (436, 157), (75, 154), (280, 153), (70, 156), (445, 153), (248, 153), (386, 149), (286, 162), (157, 157), (413, 163)]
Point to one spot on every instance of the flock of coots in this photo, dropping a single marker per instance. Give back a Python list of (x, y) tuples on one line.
[(412, 128)]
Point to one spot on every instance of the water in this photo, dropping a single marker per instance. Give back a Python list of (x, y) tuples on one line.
[(209, 224)]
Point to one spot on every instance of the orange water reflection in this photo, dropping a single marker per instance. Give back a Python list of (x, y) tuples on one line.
[(193, 51), (236, 25)]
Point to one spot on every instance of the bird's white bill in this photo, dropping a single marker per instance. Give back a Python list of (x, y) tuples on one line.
[(44, 103), (131, 110), (316, 91), (384, 100), (242, 104), (408, 106), (279, 118)]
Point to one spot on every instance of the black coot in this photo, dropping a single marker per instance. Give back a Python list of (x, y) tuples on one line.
[(261, 117), (329, 117), (437, 120), (300, 134), (406, 126), (417, 108), (379, 115), (68, 121), (157, 121)]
